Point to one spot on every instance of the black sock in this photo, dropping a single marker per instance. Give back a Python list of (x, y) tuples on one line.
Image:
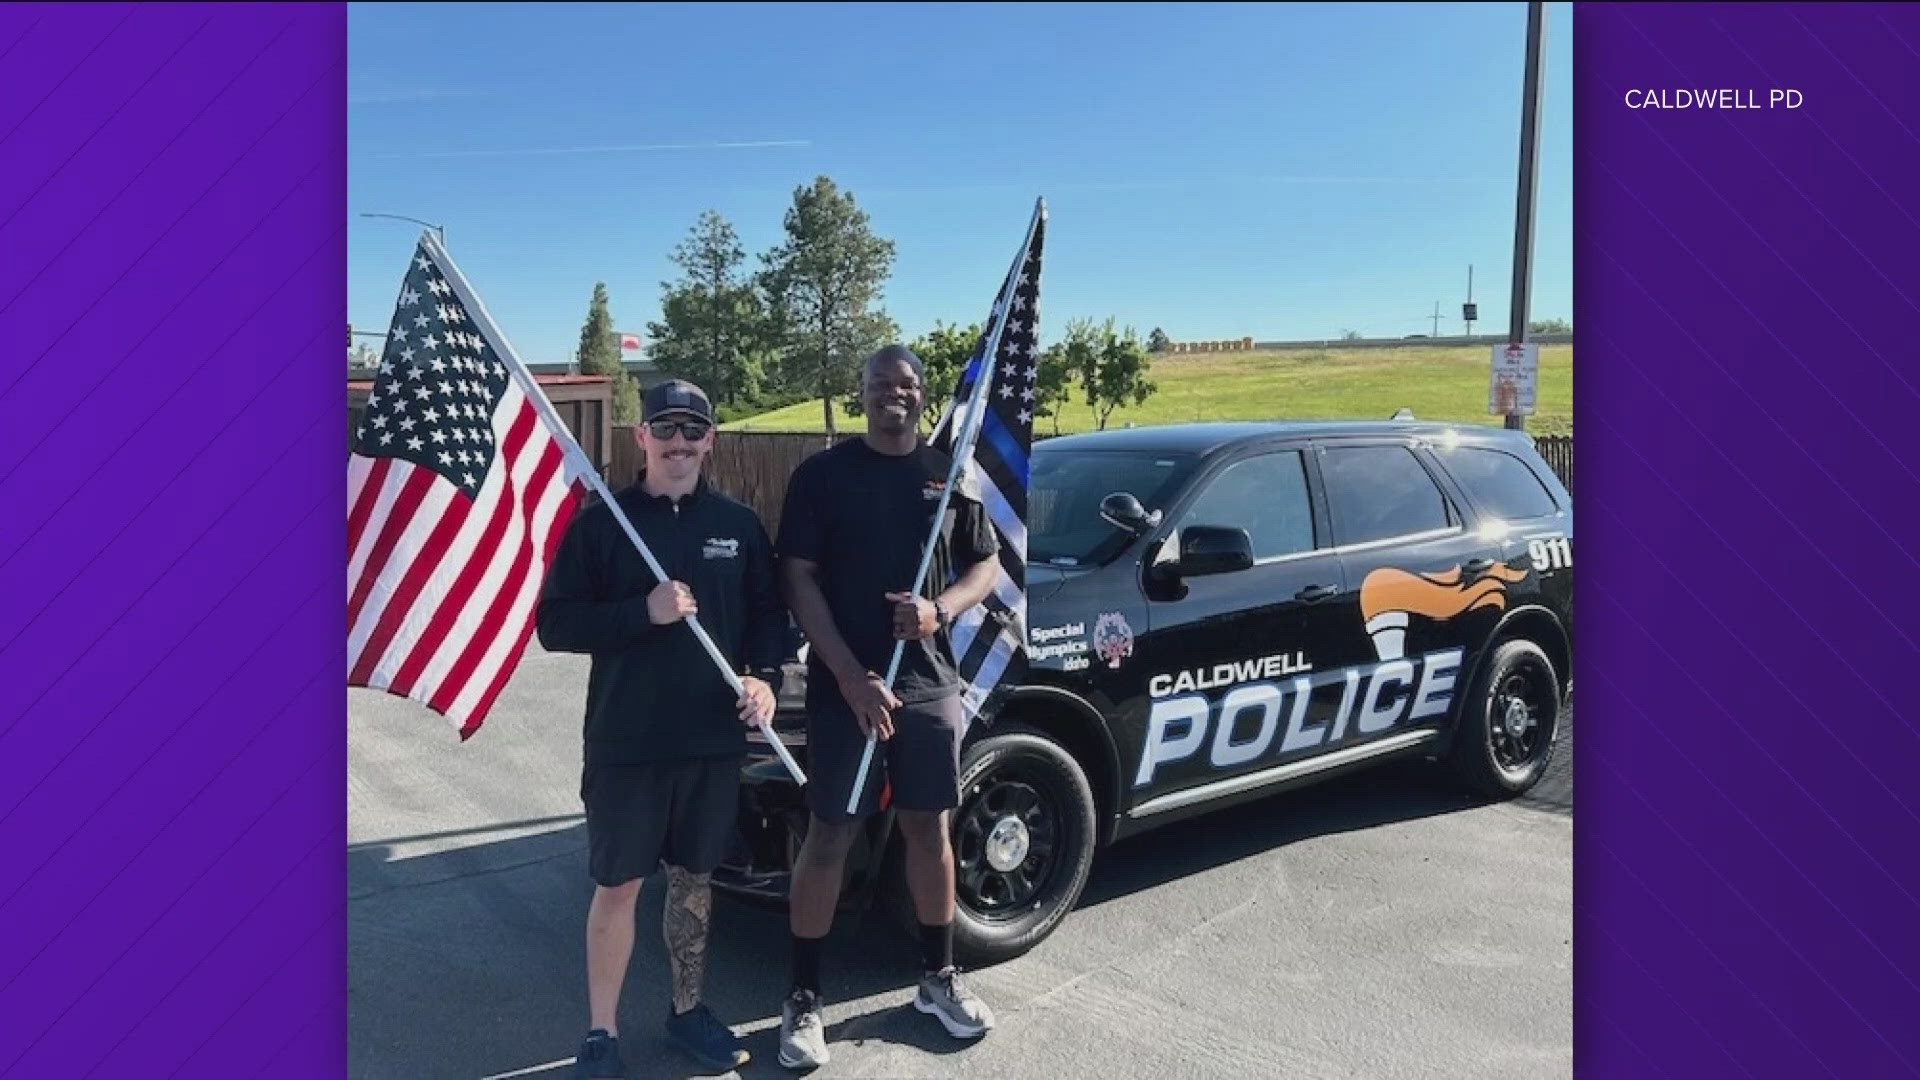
[(806, 963), (936, 946)]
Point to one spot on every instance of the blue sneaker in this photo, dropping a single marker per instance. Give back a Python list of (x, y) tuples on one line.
[(706, 1039), (599, 1058)]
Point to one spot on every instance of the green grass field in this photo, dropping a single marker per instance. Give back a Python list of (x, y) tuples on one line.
[(1436, 383)]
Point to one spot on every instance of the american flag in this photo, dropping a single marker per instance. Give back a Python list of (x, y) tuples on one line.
[(459, 489), (989, 641)]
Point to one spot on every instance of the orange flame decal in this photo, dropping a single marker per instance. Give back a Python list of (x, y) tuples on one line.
[(1436, 596)]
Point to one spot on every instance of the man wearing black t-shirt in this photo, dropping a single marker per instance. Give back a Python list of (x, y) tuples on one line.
[(852, 533)]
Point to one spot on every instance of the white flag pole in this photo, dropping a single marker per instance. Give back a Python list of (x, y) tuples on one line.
[(583, 466), (962, 450)]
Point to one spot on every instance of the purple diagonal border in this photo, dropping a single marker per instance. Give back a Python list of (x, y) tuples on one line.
[(171, 216), (1747, 860)]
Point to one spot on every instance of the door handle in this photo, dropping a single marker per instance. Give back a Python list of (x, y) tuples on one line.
[(1478, 566), (1313, 593)]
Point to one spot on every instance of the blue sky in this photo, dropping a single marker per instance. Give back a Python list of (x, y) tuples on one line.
[(1275, 171)]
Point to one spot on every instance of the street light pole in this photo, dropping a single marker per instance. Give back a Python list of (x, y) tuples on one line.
[(1530, 110), (441, 229)]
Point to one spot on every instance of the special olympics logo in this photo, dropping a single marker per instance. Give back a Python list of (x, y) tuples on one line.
[(1113, 638)]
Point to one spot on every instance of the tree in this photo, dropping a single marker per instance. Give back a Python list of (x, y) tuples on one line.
[(1053, 385), (1112, 367), (1549, 326), (1119, 376), (1349, 335), (1070, 358), (714, 329), (1158, 341), (820, 284), (599, 354)]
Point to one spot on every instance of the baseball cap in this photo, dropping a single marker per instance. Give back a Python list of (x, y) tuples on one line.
[(675, 396)]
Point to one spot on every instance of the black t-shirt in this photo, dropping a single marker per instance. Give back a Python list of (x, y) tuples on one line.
[(863, 517)]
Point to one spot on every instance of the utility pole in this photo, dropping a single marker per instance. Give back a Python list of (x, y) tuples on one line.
[(1436, 318), (1530, 109), (1468, 311)]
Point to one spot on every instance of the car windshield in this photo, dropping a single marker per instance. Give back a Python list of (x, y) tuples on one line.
[(1064, 526)]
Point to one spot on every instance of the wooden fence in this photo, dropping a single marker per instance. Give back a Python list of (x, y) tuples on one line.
[(753, 466)]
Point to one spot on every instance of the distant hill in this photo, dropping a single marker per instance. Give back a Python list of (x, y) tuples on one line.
[(1436, 382)]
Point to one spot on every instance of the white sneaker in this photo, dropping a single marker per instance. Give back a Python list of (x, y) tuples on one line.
[(948, 1000), (803, 1033)]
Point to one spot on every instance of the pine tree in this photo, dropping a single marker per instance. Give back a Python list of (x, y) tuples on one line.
[(713, 328), (599, 354), (822, 284)]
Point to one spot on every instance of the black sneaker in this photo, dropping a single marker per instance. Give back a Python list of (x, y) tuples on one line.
[(706, 1039), (599, 1058)]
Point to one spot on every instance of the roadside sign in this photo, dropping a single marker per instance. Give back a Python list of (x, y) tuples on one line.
[(1516, 370)]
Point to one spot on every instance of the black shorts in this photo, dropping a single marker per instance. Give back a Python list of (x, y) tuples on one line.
[(921, 762), (681, 813)]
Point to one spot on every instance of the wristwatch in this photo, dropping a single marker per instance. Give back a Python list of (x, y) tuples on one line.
[(940, 613)]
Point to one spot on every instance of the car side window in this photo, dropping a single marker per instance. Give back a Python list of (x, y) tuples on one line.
[(1381, 492), (1500, 482), (1265, 495)]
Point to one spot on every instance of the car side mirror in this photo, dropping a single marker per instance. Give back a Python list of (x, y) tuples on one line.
[(1211, 549), (1124, 512)]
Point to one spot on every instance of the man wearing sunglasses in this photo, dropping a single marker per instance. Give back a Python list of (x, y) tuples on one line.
[(665, 735)]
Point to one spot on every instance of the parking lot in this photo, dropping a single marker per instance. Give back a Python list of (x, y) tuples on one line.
[(1376, 926)]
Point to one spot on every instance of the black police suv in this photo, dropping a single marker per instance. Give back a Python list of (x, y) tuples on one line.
[(1217, 612)]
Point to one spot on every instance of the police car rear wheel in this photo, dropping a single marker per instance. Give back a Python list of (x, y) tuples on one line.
[(1512, 717), (1023, 840)]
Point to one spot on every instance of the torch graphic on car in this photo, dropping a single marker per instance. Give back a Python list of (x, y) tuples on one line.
[(1390, 596)]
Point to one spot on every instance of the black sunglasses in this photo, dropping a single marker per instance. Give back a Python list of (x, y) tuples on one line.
[(691, 430)]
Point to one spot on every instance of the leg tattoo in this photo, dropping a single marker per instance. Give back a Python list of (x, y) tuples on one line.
[(689, 912)]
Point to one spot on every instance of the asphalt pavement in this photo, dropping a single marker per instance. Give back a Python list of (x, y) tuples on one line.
[(1379, 925)]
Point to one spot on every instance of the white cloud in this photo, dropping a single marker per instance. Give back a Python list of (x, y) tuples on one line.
[(528, 152), (394, 97)]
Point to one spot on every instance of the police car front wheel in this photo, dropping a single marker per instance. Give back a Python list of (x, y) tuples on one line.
[(1509, 722), (1023, 839)]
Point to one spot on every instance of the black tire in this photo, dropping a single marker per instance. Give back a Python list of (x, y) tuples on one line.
[(1498, 751), (1017, 772)]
